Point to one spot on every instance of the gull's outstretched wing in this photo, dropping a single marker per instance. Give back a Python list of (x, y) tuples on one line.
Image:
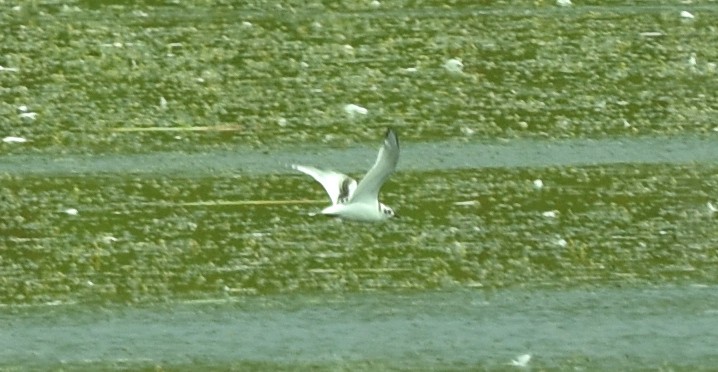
[(368, 189), (340, 187)]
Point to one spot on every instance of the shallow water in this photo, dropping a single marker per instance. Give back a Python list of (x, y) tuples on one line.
[(415, 156), (606, 328)]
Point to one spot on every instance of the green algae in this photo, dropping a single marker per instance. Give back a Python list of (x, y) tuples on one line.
[(151, 238), (283, 76)]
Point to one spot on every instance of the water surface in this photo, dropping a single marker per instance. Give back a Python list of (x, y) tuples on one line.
[(669, 326)]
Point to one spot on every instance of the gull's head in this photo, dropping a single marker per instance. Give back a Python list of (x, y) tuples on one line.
[(387, 212)]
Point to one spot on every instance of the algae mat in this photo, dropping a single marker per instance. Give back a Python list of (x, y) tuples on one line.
[(114, 237), (138, 77)]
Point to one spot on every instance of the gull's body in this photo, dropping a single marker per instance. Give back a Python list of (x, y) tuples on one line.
[(359, 201)]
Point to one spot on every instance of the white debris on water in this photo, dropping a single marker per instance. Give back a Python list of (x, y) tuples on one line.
[(353, 110), (467, 203), (521, 360), (563, 2), (467, 131), (70, 9), (13, 139), (163, 103), (454, 66), (538, 184), (550, 214), (711, 208), (108, 239), (692, 60), (71, 212), (687, 15), (651, 34), (28, 115), (25, 113), (8, 69)]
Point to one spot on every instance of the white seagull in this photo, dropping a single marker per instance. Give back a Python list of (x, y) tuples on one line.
[(359, 201)]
